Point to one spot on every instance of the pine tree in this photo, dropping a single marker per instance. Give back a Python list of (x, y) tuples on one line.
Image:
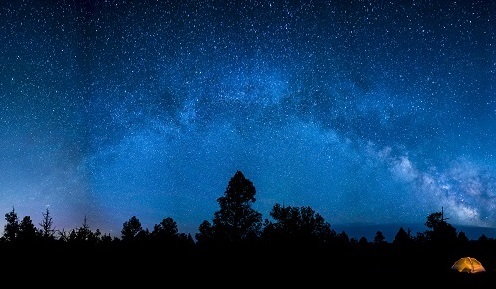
[(12, 227), (47, 230)]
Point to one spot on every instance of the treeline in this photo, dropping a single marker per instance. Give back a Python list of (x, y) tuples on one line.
[(236, 222), (297, 242)]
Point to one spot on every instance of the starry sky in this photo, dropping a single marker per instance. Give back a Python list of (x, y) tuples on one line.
[(369, 112)]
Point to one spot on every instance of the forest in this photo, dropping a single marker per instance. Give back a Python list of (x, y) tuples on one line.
[(238, 247)]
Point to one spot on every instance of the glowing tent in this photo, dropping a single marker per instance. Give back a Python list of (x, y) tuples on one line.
[(468, 265)]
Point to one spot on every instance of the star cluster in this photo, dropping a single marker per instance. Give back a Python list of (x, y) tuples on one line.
[(373, 112)]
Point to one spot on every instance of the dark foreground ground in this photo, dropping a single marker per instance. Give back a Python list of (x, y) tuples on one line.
[(144, 269)]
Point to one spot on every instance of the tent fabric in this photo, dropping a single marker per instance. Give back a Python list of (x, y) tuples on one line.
[(468, 265)]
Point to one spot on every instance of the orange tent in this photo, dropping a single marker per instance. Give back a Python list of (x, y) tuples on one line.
[(468, 265)]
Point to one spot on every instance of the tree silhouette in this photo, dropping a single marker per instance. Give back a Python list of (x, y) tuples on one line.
[(205, 235), (165, 237), (441, 232), (462, 238), (165, 233), (434, 220), (84, 232), (342, 239), (379, 238), (83, 235), (363, 242), (297, 224), (236, 220), (166, 230), (47, 230), (28, 233), (402, 238), (132, 230), (187, 239), (12, 227), (483, 238)]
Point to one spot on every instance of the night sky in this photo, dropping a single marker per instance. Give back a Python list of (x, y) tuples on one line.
[(377, 112)]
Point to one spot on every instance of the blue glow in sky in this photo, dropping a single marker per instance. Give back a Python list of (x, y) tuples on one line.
[(367, 111)]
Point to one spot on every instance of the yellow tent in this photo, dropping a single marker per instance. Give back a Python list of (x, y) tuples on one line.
[(468, 265)]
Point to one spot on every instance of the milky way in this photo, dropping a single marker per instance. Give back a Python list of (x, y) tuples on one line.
[(367, 111)]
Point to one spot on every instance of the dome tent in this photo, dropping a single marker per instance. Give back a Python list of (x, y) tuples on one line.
[(468, 265)]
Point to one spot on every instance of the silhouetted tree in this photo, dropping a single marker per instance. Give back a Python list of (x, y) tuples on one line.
[(47, 230), (107, 240), (379, 238), (84, 232), (300, 224), (441, 232), (187, 239), (402, 237), (434, 220), (132, 230), (167, 236), (205, 235), (363, 242), (166, 230), (11, 228), (462, 238), (342, 239), (28, 233), (483, 238), (84, 235), (236, 220), (420, 238)]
